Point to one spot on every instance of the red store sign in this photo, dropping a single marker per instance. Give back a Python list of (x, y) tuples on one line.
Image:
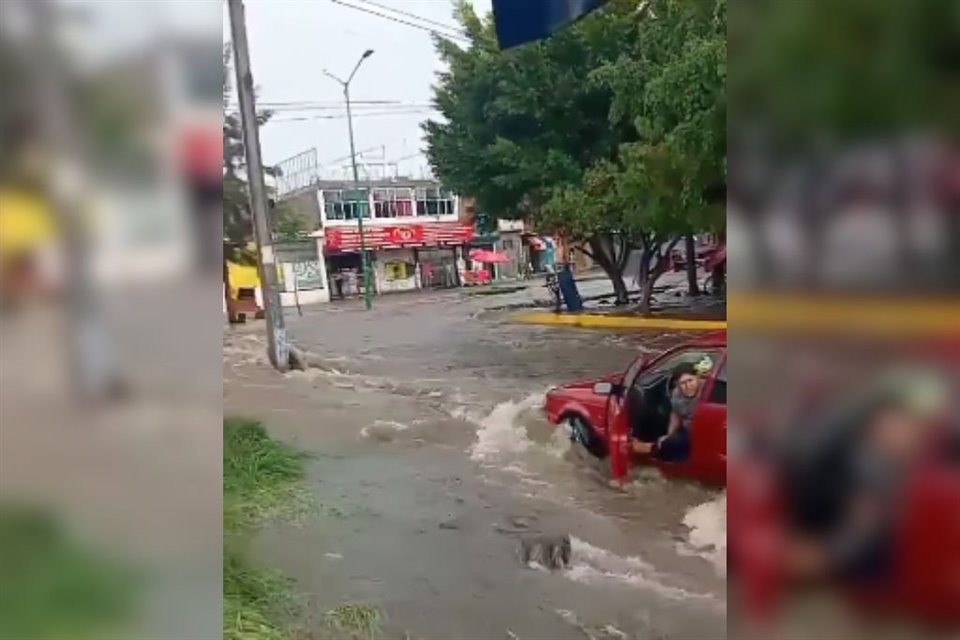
[(428, 234)]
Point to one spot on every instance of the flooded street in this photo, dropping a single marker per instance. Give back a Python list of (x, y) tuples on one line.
[(432, 460)]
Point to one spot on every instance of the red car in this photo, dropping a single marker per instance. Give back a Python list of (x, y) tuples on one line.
[(777, 490), (602, 414)]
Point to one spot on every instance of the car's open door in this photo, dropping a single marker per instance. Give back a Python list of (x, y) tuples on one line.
[(618, 434)]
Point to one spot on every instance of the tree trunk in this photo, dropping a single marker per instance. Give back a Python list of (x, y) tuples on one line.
[(603, 255), (646, 281), (650, 273), (620, 290), (693, 287)]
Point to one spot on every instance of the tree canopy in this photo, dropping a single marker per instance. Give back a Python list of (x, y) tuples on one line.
[(611, 132)]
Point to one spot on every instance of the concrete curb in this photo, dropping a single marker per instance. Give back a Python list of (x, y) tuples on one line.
[(606, 321)]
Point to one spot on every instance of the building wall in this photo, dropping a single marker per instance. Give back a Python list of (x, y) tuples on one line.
[(511, 244), (300, 280)]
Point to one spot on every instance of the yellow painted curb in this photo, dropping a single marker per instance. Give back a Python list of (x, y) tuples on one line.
[(605, 321), (792, 314), (831, 314)]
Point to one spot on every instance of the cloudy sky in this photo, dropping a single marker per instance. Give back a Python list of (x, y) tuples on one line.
[(292, 41)]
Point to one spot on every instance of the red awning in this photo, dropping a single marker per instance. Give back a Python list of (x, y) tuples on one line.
[(428, 234), (489, 257)]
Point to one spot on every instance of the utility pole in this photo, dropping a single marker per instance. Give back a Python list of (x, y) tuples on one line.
[(364, 257), (278, 349)]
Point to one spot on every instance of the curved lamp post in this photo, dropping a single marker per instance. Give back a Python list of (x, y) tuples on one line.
[(365, 260)]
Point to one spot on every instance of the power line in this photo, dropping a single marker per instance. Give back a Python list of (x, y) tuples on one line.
[(411, 112), (449, 36), (340, 109), (330, 103), (359, 153), (401, 12), (408, 157)]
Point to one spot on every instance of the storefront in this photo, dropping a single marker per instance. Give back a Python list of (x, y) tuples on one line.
[(402, 257), (394, 270), (438, 267)]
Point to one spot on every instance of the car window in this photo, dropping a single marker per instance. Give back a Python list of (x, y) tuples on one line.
[(665, 367), (718, 394), (632, 372)]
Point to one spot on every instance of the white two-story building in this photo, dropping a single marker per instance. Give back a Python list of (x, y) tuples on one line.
[(412, 231)]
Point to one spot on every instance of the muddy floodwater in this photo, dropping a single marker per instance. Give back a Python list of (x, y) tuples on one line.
[(432, 460)]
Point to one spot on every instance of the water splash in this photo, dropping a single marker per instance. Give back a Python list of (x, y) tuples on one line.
[(500, 432), (594, 566), (707, 533)]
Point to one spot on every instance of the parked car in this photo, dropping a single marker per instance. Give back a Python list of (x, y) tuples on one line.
[(601, 414)]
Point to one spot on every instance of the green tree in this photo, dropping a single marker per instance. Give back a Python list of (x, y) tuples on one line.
[(517, 125), (671, 83), (289, 222), (611, 132)]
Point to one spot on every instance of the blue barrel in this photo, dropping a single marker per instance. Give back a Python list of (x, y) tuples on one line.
[(568, 289)]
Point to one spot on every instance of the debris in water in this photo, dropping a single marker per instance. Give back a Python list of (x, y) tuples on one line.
[(613, 632), (550, 551), (520, 522)]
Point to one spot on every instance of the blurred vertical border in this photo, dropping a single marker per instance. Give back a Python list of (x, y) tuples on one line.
[(111, 326)]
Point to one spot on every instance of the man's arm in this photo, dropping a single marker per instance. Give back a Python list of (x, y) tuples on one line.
[(674, 425)]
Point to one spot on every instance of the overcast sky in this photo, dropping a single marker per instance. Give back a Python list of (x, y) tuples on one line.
[(292, 41)]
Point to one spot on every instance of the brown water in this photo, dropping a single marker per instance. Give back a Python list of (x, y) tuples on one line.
[(433, 459)]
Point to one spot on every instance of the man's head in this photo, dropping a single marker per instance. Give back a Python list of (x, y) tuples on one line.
[(687, 381)]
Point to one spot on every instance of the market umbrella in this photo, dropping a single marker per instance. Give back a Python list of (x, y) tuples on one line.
[(489, 257)]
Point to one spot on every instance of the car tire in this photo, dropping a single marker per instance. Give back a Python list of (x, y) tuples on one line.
[(581, 432)]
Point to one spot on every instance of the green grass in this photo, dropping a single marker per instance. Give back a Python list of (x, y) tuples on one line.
[(51, 587), (354, 621), (262, 479), (261, 476)]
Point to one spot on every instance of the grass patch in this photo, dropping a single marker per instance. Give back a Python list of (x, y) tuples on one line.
[(262, 479), (261, 476), (51, 587), (256, 603), (355, 621)]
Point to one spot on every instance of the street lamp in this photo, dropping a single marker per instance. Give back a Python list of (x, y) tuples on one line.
[(364, 258)]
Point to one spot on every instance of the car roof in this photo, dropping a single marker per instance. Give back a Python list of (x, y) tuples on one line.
[(711, 339)]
